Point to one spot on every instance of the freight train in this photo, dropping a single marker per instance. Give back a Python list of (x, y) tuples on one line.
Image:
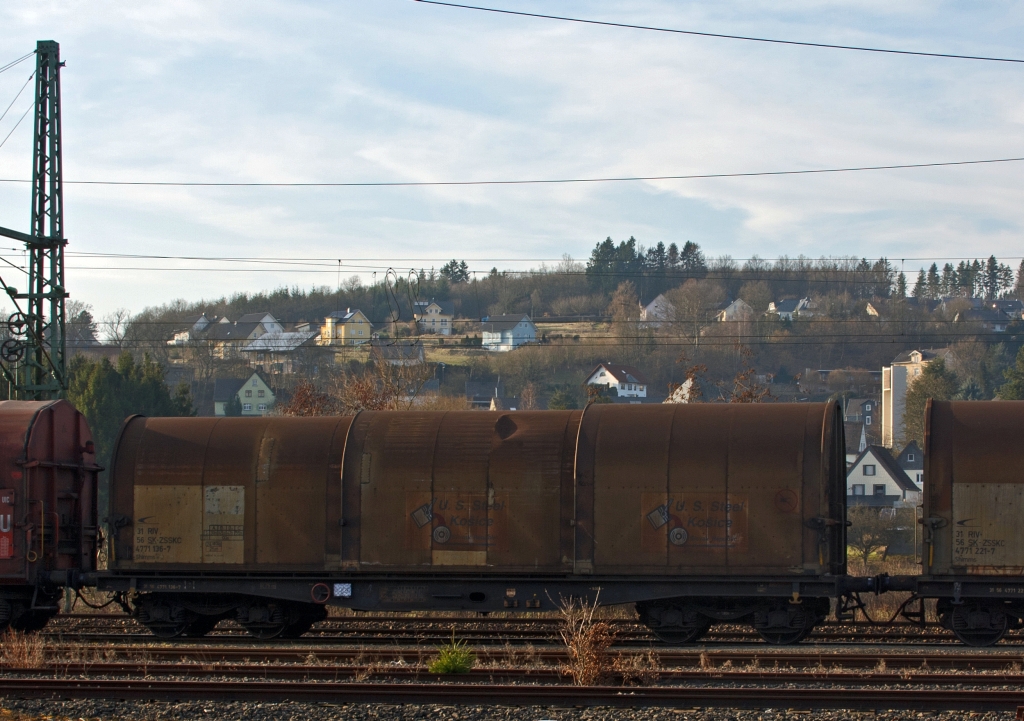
[(695, 513)]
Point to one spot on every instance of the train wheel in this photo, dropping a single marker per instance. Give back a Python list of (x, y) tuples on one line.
[(681, 636), (266, 620), (201, 626), (29, 621), (785, 638), (169, 629), (978, 625), (165, 618), (673, 624), (783, 623), (305, 622)]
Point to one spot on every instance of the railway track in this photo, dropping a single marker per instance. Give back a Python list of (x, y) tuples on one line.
[(376, 630), (714, 694), (548, 674), (764, 658)]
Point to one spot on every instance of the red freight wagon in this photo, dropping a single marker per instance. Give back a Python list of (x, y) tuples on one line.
[(47, 508)]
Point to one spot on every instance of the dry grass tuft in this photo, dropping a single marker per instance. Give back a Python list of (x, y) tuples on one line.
[(639, 669), (706, 664), (22, 650), (587, 642), (521, 656)]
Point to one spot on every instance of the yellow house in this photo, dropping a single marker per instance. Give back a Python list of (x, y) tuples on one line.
[(346, 327), (434, 316)]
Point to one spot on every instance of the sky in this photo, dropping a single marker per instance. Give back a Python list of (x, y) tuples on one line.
[(397, 90)]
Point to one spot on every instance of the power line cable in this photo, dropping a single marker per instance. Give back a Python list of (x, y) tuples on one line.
[(548, 181), (723, 36), (15, 126), (293, 259), (4, 115), (22, 59)]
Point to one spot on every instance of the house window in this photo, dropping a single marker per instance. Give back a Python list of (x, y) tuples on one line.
[(910, 458), (867, 420), (918, 477), (622, 385), (858, 489), (262, 406), (869, 470), (879, 489), (261, 393), (254, 382), (248, 394), (360, 332), (247, 406), (867, 406)]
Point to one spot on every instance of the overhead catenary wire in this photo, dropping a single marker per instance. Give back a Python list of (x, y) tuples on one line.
[(18, 61), (532, 181), (722, 36), (8, 109), (392, 259), (15, 126)]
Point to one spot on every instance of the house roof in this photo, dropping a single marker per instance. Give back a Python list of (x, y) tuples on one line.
[(1011, 307), (343, 316), (280, 341), (254, 318), (983, 315), (224, 388), (885, 459), (230, 331), (788, 305), (853, 431), (926, 354), (447, 306), (621, 373), (498, 323), (915, 465), (485, 389), (855, 406)]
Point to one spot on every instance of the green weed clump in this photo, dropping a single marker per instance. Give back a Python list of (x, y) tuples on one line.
[(453, 657)]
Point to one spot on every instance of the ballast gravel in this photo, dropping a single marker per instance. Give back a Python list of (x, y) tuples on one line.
[(11, 710)]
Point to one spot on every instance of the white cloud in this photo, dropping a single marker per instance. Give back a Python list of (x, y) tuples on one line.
[(290, 91)]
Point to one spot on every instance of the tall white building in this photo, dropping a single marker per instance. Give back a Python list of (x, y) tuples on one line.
[(896, 380)]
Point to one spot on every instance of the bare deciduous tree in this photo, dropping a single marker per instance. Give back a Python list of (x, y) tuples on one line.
[(115, 326)]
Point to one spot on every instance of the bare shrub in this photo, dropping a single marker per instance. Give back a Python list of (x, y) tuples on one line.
[(22, 650), (586, 641)]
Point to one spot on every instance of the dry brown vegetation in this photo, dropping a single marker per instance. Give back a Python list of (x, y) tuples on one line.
[(22, 650), (586, 641)]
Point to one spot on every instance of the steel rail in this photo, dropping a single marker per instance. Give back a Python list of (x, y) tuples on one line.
[(765, 658), (498, 638), (824, 697), (547, 674)]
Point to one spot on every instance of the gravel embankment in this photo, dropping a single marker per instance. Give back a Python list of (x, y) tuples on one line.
[(11, 710)]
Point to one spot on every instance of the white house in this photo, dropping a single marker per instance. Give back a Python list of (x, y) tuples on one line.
[(737, 310), (194, 326), (659, 309), (790, 307), (627, 380), (507, 332), (876, 479), (254, 395)]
